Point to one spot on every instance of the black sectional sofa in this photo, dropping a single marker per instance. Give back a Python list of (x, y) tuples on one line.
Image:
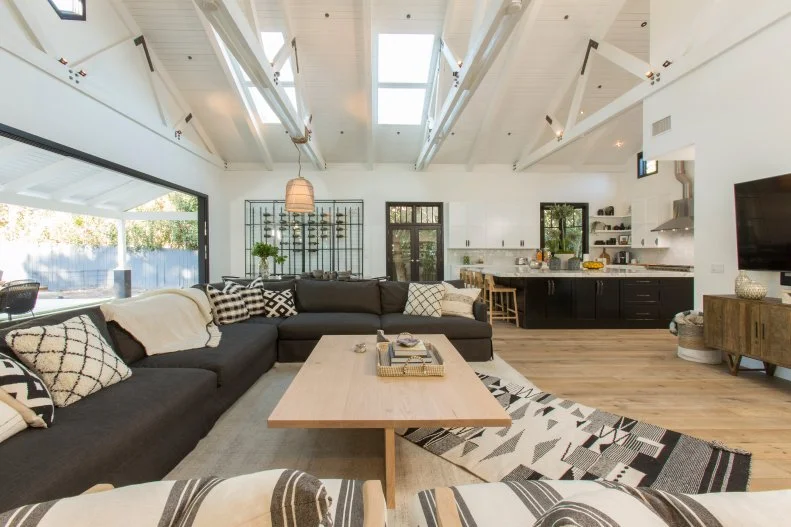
[(139, 429)]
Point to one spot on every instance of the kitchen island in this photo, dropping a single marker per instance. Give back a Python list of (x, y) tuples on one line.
[(617, 298)]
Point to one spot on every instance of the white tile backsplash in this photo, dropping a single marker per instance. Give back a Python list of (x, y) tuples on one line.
[(489, 256), (680, 252)]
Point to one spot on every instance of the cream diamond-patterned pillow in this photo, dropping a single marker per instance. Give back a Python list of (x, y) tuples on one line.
[(424, 300), (72, 358)]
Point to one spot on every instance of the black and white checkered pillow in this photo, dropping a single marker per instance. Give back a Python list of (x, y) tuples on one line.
[(279, 303), (424, 300), (252, 297), (227, 307)]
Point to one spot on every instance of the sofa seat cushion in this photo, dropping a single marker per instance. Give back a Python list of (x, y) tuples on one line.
[(312, 326), (451, 327), (241, 345), (91, 437), (264, 320)]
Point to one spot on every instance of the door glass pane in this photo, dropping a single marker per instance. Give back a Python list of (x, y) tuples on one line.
[(402, 255), (427, 241), (428, 214), (400, 214)]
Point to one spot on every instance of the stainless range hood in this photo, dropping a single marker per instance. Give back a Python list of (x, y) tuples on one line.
[(683, 209)]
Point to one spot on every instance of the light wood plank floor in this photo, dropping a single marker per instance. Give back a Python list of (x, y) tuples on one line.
[(636, 373)]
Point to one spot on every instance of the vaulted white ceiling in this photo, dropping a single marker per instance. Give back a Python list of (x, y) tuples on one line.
[(533, 76)]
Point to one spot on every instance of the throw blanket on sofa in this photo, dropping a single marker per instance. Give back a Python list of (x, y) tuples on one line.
[(273, 498), (166, 320)]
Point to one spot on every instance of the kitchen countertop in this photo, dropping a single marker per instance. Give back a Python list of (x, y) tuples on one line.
[(523, 271)]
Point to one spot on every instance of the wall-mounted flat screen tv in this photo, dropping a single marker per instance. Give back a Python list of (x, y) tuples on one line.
[(763, 223)]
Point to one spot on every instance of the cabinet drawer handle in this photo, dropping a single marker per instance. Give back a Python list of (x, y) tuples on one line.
[(549, 287), (763, 331), (644, 296), (756, 330), (643, 281), (644, 314)]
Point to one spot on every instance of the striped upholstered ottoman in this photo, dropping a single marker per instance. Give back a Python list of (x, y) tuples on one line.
[(593, 504)]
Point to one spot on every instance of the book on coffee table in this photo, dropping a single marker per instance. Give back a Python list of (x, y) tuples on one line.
[(396, 359), (404, 351)]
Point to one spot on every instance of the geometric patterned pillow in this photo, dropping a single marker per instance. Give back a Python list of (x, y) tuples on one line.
[(424, 300), (252, 297), (32, 398), (227, 307), (279, 303), (72, 358)]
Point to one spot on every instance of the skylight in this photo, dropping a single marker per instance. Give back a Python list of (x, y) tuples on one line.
[(272, 41), (404, 61), (69, 9)]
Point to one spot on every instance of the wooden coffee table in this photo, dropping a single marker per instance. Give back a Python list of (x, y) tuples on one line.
[(338, 388)]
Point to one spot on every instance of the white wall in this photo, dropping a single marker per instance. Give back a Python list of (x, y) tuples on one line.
[(736, 110), (39, 103), (681, 249), (494, 184)]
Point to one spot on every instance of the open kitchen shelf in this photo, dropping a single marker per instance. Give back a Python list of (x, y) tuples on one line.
[(612, 231), (610, 246), (610, 217)]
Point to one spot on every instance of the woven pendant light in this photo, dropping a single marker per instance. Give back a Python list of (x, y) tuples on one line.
[(299, 192)]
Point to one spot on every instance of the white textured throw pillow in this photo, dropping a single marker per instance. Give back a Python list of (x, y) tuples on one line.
[(72, 358), (458, 302), (424, 300)]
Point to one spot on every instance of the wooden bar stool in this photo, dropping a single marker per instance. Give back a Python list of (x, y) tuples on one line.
[(500, 302), (476, 279)]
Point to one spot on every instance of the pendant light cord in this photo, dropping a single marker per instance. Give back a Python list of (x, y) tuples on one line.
[(299, 160)]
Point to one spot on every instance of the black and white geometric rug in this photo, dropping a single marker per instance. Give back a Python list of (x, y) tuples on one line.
[(554, 438)]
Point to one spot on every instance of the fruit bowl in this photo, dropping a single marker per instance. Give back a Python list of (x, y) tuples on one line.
[(593, 266)]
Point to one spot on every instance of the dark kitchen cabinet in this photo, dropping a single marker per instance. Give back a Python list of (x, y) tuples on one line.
[(594, 302), (548, 299), (596, 299)]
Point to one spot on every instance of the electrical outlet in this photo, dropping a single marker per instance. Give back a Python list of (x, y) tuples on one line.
[(718, 268)]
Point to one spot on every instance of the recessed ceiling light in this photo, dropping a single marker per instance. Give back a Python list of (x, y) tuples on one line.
[(408, 16), (582, 112), (326, 15), (644, 24), (667, 63), (599, 86), (619, 143), (341, 132), (509, 133), (566, 17)]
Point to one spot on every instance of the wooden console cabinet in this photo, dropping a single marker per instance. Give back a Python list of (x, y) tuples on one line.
[(760, 329)]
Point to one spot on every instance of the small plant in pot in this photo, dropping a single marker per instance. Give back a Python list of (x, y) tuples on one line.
[(264, 251), (563, 240)]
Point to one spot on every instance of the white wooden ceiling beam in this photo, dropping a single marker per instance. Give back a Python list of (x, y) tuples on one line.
[(32, 26), (251, 12), (251, 118), (487, 43), (160, 215), (283, 54), (42, 175), (228, 21), (516, 49), (369, 73), (453, 61), (46, 203), (82, 60), (637, 67)]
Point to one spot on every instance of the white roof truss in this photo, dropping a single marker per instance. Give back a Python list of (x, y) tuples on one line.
[(368, 81), (486, 43), (682, 67), (230, 23)]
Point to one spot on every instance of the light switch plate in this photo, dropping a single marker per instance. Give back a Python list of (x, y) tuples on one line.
[(718, 268)]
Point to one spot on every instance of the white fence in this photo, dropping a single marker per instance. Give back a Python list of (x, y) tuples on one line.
[(63, 267)]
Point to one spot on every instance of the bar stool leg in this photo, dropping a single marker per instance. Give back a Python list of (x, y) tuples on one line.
[(516, 309)]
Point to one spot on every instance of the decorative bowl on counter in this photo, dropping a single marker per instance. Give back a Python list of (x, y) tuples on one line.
[(535, 264), (593, 266)]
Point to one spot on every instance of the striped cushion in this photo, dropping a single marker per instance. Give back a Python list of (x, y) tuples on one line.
[(271, 498), (593, 504)]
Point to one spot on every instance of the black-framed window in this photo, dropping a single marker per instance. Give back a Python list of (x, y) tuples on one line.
[(576, 226), (414, 241), (646, 167), (69, 9)]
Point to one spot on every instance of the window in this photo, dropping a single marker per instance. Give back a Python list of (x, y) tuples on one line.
[(69, 9), (564, 227), (646, 167), (404, 64)]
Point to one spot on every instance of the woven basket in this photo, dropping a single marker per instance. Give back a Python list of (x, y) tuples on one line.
[(691, 337), (414, 368)]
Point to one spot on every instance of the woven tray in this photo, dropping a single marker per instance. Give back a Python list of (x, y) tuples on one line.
[(415, 367)]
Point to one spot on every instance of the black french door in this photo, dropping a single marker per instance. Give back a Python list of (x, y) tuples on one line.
[(414, 241)]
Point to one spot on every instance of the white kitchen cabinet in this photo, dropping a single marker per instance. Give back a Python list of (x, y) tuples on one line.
[(491, 226), (647, 214)]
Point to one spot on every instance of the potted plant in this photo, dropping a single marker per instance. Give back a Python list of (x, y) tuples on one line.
[(263, 251), (563, 241)]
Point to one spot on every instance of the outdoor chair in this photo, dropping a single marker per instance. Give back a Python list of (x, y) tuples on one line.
[(18, 297)]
